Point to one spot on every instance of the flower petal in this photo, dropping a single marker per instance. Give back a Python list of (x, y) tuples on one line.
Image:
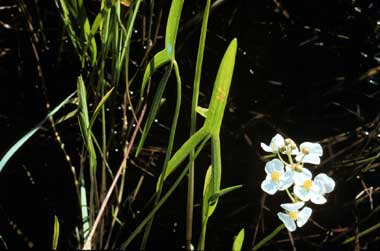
[(301, 193), (300, 177), (303, 216), (288, 168), (288, 222), (327, 183), (269, 186), (292, 206), (312, 158), (266, 148), (286, 180), (295, 151), (314, 148), (277, 142), (317, 198), (274, 165)]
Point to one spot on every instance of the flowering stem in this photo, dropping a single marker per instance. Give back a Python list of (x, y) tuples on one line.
[(289, 157), (290, 195), (367, 231), (282, 160), (268, 237), (268, 156)]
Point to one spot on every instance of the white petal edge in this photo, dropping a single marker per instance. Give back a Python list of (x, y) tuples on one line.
[(312, 158), (303, 216), (274, 165), (328, 184), (317, 198), (301, 193), (286, 180), (266, 148), (269, 186), (288, 222), (292, 206), (277, 142)]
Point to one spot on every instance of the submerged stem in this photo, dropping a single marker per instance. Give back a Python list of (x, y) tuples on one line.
[(268, 237)]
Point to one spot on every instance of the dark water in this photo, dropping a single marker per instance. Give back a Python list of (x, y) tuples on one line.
[(297, 73)]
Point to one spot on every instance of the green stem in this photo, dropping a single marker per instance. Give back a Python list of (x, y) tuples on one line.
[(169, 150), (289, 157), (290, 195), (367, 231), (162, 201), (282, 160), (268, 238), (194, 104)]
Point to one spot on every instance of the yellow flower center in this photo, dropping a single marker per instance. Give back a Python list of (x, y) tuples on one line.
[(275, 176), (293, 215), (307, 184), (305, 150)]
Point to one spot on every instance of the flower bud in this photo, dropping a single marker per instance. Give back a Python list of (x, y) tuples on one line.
[(290, 143), (305, 150)]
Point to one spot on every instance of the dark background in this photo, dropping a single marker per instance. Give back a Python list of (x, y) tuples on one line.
[(298, 72)]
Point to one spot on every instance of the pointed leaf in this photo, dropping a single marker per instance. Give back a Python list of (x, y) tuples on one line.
[(99, 107), (172, 26), (207, 208), (56, 233), (223, 192), (221, 89), (154, 109), (28, 135), (238, 242), (158, 60)]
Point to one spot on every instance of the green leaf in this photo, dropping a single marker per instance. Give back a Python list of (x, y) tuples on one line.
[(158, 61), (66, 116), (56, 233), (207, 208), (154, 109), (221, 89), (172, 26), (238, 241), (99, 107), (96, 24), (29, 134), (167, 54), (83, 111), (84, 123), (184, 151), (223, 192)]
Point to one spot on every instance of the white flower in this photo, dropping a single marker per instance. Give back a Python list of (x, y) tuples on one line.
[(275, 145), (293, 215), (306, 189), (325, 183), (295, 169), (276, 178), (291, 146), (309, 153)]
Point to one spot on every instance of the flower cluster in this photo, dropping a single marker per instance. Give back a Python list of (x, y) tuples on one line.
[(281, 175)]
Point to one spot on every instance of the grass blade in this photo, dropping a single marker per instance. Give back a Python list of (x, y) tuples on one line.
[(238, 242), (29, 134), (99, 106), (56, 233), (183, 152), (154, 108), (157, 62)]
